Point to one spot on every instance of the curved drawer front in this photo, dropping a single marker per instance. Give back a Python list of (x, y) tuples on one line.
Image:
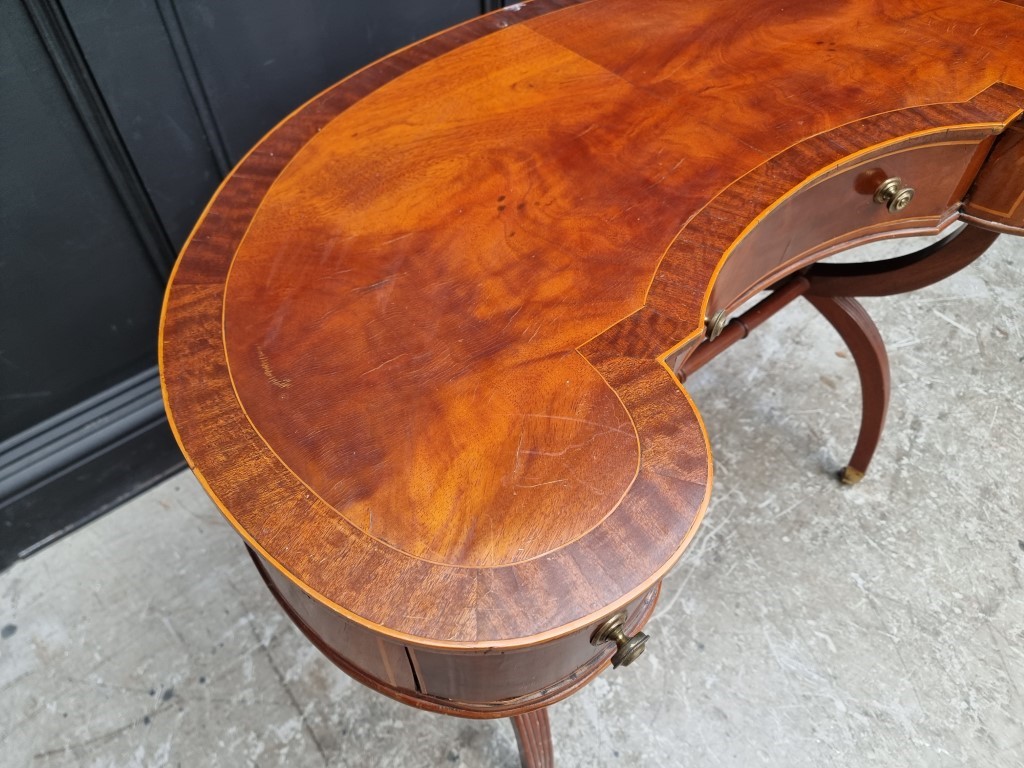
[(472, 683), (498, 681), (837, 208)]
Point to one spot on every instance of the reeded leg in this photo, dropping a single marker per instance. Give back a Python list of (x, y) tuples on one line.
[(534, 736), (851, 320)]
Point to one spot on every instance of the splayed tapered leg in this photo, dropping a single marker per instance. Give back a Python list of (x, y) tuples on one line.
[(861, 335), (534, 736)]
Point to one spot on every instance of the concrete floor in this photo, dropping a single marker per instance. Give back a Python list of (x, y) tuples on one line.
[(808, 625)]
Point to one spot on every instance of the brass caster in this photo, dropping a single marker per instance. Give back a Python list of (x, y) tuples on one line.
[(850, 476)]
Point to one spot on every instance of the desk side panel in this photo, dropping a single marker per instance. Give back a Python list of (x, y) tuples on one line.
[(997, 198)]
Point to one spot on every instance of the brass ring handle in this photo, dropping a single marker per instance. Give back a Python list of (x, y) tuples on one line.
[(629, 648), (893, 195)]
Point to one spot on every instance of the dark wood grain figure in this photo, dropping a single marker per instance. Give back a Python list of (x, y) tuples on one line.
[(421, 347)]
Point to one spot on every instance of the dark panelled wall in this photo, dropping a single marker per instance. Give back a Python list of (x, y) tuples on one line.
[(118, 121)]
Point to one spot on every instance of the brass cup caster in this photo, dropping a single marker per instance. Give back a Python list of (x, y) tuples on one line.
[(629, 648), (850, 476)]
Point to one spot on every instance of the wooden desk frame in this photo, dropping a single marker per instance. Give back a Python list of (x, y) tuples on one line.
[(766, 230)]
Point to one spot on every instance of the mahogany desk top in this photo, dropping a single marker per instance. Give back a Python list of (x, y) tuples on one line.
[(422, 346)]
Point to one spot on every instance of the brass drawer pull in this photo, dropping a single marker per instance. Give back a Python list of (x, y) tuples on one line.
[(629, 648), (716, 324), (893, 195)]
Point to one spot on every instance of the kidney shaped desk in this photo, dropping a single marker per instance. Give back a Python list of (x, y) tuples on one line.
[(427, 346)]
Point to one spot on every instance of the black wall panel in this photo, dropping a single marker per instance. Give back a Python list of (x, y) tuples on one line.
[(77, 293), (193, 85), (251, 55), (136, 68)]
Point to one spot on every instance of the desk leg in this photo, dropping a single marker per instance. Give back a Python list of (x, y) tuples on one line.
[(861, 335), (830, 289), (534, 736)]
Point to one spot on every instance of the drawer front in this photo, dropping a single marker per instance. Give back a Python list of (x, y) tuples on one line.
[(472, 683), (499, 681), (838, 208)]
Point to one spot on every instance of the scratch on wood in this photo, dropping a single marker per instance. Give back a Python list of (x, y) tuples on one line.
[(538, 485), (389, 360), (577, 420), (265, 364)]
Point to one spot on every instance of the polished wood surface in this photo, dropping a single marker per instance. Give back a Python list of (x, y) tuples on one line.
[(420, 346)]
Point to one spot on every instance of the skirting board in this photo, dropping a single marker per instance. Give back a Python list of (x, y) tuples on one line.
[(72, 468)]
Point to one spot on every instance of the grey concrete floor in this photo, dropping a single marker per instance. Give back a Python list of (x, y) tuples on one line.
[(809, 624)]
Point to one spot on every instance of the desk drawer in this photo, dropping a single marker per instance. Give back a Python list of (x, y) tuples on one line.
[(837, 209), (504, 680), (481, 682)]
